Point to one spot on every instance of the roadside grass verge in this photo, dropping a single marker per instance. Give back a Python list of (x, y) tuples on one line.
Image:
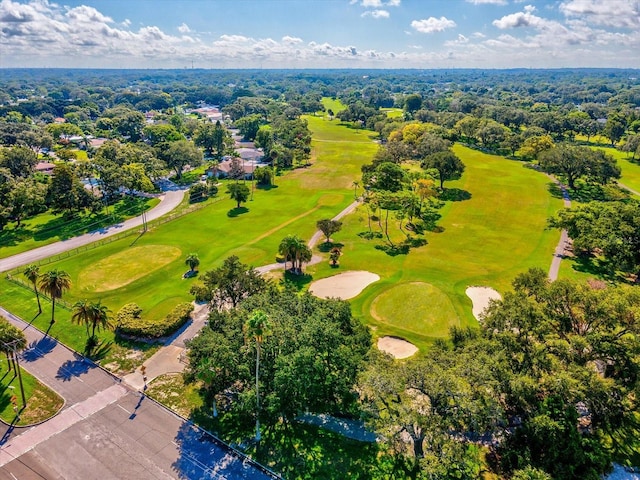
[(42, 402), (295, 450), (47, 228)]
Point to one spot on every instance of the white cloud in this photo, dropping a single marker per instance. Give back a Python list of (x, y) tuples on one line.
[(36, 33), (184, 28), (611, 13), (488, 2), (84, 14), (377, 3), (376, 14), (432, 24), (521, 19), (291, 40)]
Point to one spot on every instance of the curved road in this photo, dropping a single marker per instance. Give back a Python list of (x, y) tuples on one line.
[(171, 198)]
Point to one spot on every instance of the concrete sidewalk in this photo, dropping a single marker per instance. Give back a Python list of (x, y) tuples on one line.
[(106, 430)]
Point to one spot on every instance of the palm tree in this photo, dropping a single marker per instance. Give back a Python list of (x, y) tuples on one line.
[(257, 327), (287, 249), (295, 249), (12, 342), (355, 184), (94, 315), (192, 261), (82, 313), (32, 272), (54, 283)]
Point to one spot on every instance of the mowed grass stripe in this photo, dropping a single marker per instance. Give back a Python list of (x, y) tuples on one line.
[(300, 198), (486, 240)]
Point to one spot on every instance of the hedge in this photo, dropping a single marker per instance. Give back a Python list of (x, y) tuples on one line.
[(131, 323)]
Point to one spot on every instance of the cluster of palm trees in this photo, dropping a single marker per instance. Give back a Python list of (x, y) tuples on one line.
[(295, 250), (54, 283)]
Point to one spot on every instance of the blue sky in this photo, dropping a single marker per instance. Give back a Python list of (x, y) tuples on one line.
[(320, 33)]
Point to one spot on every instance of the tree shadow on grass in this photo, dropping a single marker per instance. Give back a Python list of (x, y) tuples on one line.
[(402, 248), (454, 195), (370, 235), (327, 246), (73, 368), (596, 267), (235, 212), (296, 281), (10, 237), (266, 188), (100, 351)]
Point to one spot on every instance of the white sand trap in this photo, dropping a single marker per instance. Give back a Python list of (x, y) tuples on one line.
[(396, 347), (345, 285), (480, 296)]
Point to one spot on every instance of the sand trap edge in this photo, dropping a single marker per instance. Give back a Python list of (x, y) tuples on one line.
[(396, 347), (480, 298)]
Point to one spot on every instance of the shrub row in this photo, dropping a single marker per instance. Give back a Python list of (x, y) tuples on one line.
[(131, 323)]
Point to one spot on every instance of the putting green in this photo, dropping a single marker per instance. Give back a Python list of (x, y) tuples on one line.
[(416, 306), (124, 267)]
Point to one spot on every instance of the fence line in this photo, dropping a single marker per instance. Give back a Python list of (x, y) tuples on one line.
[(29, 286), (11, 274)]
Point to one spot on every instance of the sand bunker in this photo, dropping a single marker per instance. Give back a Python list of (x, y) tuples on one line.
[(480, 296), (396, 347), (345, 285)]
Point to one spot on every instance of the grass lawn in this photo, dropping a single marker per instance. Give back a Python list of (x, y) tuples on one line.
[(333, 104), (575, 270), (47, 228), (630, 169), (42, 402), (148, 270), (295, 451), (485, 240), (393, 112)]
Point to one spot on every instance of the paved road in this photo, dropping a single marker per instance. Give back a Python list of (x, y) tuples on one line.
[(168, 358), (106, 430), (168, 201)]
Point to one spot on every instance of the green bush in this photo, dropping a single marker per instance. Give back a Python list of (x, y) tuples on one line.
[(200, 292), (131, 323), (198, 192)]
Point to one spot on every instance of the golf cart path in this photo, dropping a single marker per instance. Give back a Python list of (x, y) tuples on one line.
[(170, 357), (564, 241), (169, 200)]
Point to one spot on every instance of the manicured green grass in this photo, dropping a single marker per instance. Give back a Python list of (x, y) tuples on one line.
[(299, 199), (415, 306), (485, 240), (295, 451), (630, 169), (47, 228), (333, 104), (42, 402)]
